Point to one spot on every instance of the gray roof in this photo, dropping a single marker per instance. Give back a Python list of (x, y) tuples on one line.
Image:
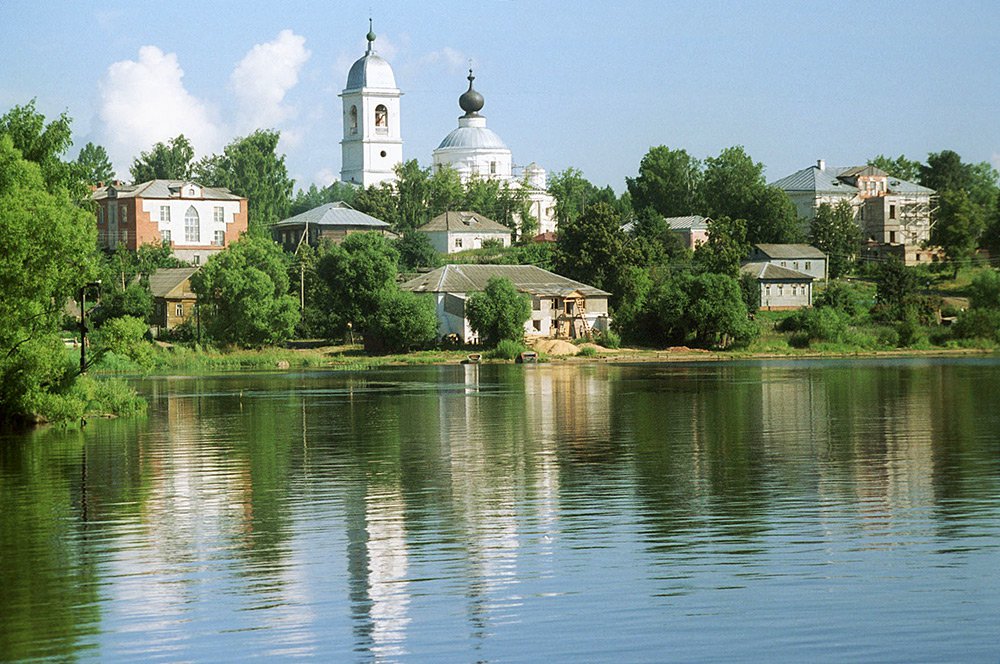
[(167, 279), (828, 181), (472, 137), (463, 222), (473, 278), (162, 189), (333, 214), (790, 251), (370, 71), (812, 179), (772, 272), (693, 222)]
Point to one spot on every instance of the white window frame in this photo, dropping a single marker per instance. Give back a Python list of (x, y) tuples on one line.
[(219, 238), (219, 214), (192, 231), (165, 235), (164, 214)]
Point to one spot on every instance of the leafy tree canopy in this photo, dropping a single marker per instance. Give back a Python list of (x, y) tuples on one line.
[(594, 249), (725, 249), (959, 224), (498, 312), (669, 182), (834, 232), (358, 273), (573, 193), (48, 254), (166, 161), (243, 292), (900, 167), (251, 167), (415, 250), (401, 322), (314, 197), (44, 144), (94, 165)]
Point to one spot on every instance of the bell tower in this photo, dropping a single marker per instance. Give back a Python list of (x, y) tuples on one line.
[(372, 144)]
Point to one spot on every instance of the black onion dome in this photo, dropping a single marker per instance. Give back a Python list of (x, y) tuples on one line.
[(471, 101)]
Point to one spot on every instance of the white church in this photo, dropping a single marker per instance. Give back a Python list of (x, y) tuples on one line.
[(373, 144)]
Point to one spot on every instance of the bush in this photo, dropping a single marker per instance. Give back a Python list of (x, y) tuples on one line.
[(978, 324), (125, 337), (507, 349), (846, 298), (825, 324), (498, 312), (984, 291), (609, 339), (587, 351), (401, 322)]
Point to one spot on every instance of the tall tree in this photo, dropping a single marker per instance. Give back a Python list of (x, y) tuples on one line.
[(358, 273), (726, 247), (834, 232), (774, 218), (594, 249), (900, 167), (93, 165), (733, 184), (48, 254), (44, 144), (243, 293), (669, 181), (314, 197), (251, 167), (166, 161), (959, 224)]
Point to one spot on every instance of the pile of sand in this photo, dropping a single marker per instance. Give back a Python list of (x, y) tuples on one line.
[(556, 347)]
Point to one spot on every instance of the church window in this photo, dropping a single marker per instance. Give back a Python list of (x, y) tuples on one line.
[(192, 225), (381, 119), (383, 153), (354, 119)]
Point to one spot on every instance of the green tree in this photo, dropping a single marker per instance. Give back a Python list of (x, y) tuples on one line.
[(45, 144), (243, 294), (415, 250), (900, 167), (984, 292), (594, 249), (166, 161), (669, 181), (48, 254), (126, 337), (834, 232), (401, 322), (959, 224), (380, 201), (251, 167), (314, 197), (774, 218), (725, 248), (359, 274), (895, 290), (732, 184), (498, 312), (94, 165)]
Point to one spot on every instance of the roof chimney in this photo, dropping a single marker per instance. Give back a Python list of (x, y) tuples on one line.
[(821, 164)]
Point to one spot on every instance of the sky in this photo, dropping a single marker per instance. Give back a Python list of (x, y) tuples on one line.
[(588, 85)]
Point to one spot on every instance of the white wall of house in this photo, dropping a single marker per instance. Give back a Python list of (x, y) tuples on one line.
[(785, 295), (814, 267)]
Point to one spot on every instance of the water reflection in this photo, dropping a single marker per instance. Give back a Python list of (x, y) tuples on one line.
[(433, 512)]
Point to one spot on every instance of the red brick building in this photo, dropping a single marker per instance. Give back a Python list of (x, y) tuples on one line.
[(197, 221)]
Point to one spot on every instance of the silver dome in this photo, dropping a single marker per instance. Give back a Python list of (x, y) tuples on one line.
[(371, 71), (472, 137)]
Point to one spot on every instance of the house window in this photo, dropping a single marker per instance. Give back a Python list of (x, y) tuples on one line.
[(537, 325), (780, 290), (219, 239), (493, 167), (892, 237), (458, 243), (767, 290), (124, 214), (808, 266), (784, 264), (354, 119), (892, 211), (100, 216), (795, 265), (536, 304), (381, 119), (570, 307), (164, 214), (179, 309), (219, 215), (192, 225), (166, 236), (196, 260)]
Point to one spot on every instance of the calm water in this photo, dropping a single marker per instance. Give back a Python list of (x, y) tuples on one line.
[(806, 511)]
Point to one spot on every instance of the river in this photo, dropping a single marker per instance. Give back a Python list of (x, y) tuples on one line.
[(815, 510)]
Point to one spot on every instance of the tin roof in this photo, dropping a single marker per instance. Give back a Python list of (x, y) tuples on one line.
[(812, 179), (790, 251), (162, 189), (693, 222), (772, 272), (338, 213), (471, 278), (463, 222)]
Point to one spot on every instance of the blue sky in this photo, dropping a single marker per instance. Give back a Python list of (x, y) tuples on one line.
[(585, 84)]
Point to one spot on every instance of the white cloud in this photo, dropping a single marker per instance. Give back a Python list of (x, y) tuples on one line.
[(263, 78), (453, 60), (996, 160), (325, 177), (144, 101)]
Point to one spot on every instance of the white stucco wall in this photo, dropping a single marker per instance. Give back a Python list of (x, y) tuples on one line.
[(783, 295)]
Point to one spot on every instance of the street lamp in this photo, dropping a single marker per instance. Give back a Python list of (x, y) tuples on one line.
[(83, 323)]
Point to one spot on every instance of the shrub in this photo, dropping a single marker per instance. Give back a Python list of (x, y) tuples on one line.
[(984, 291), (978, 324), (609, 339), (846, 298), (498, 312), (125, 337), (587, 351), (402, 321), (507, 349)]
